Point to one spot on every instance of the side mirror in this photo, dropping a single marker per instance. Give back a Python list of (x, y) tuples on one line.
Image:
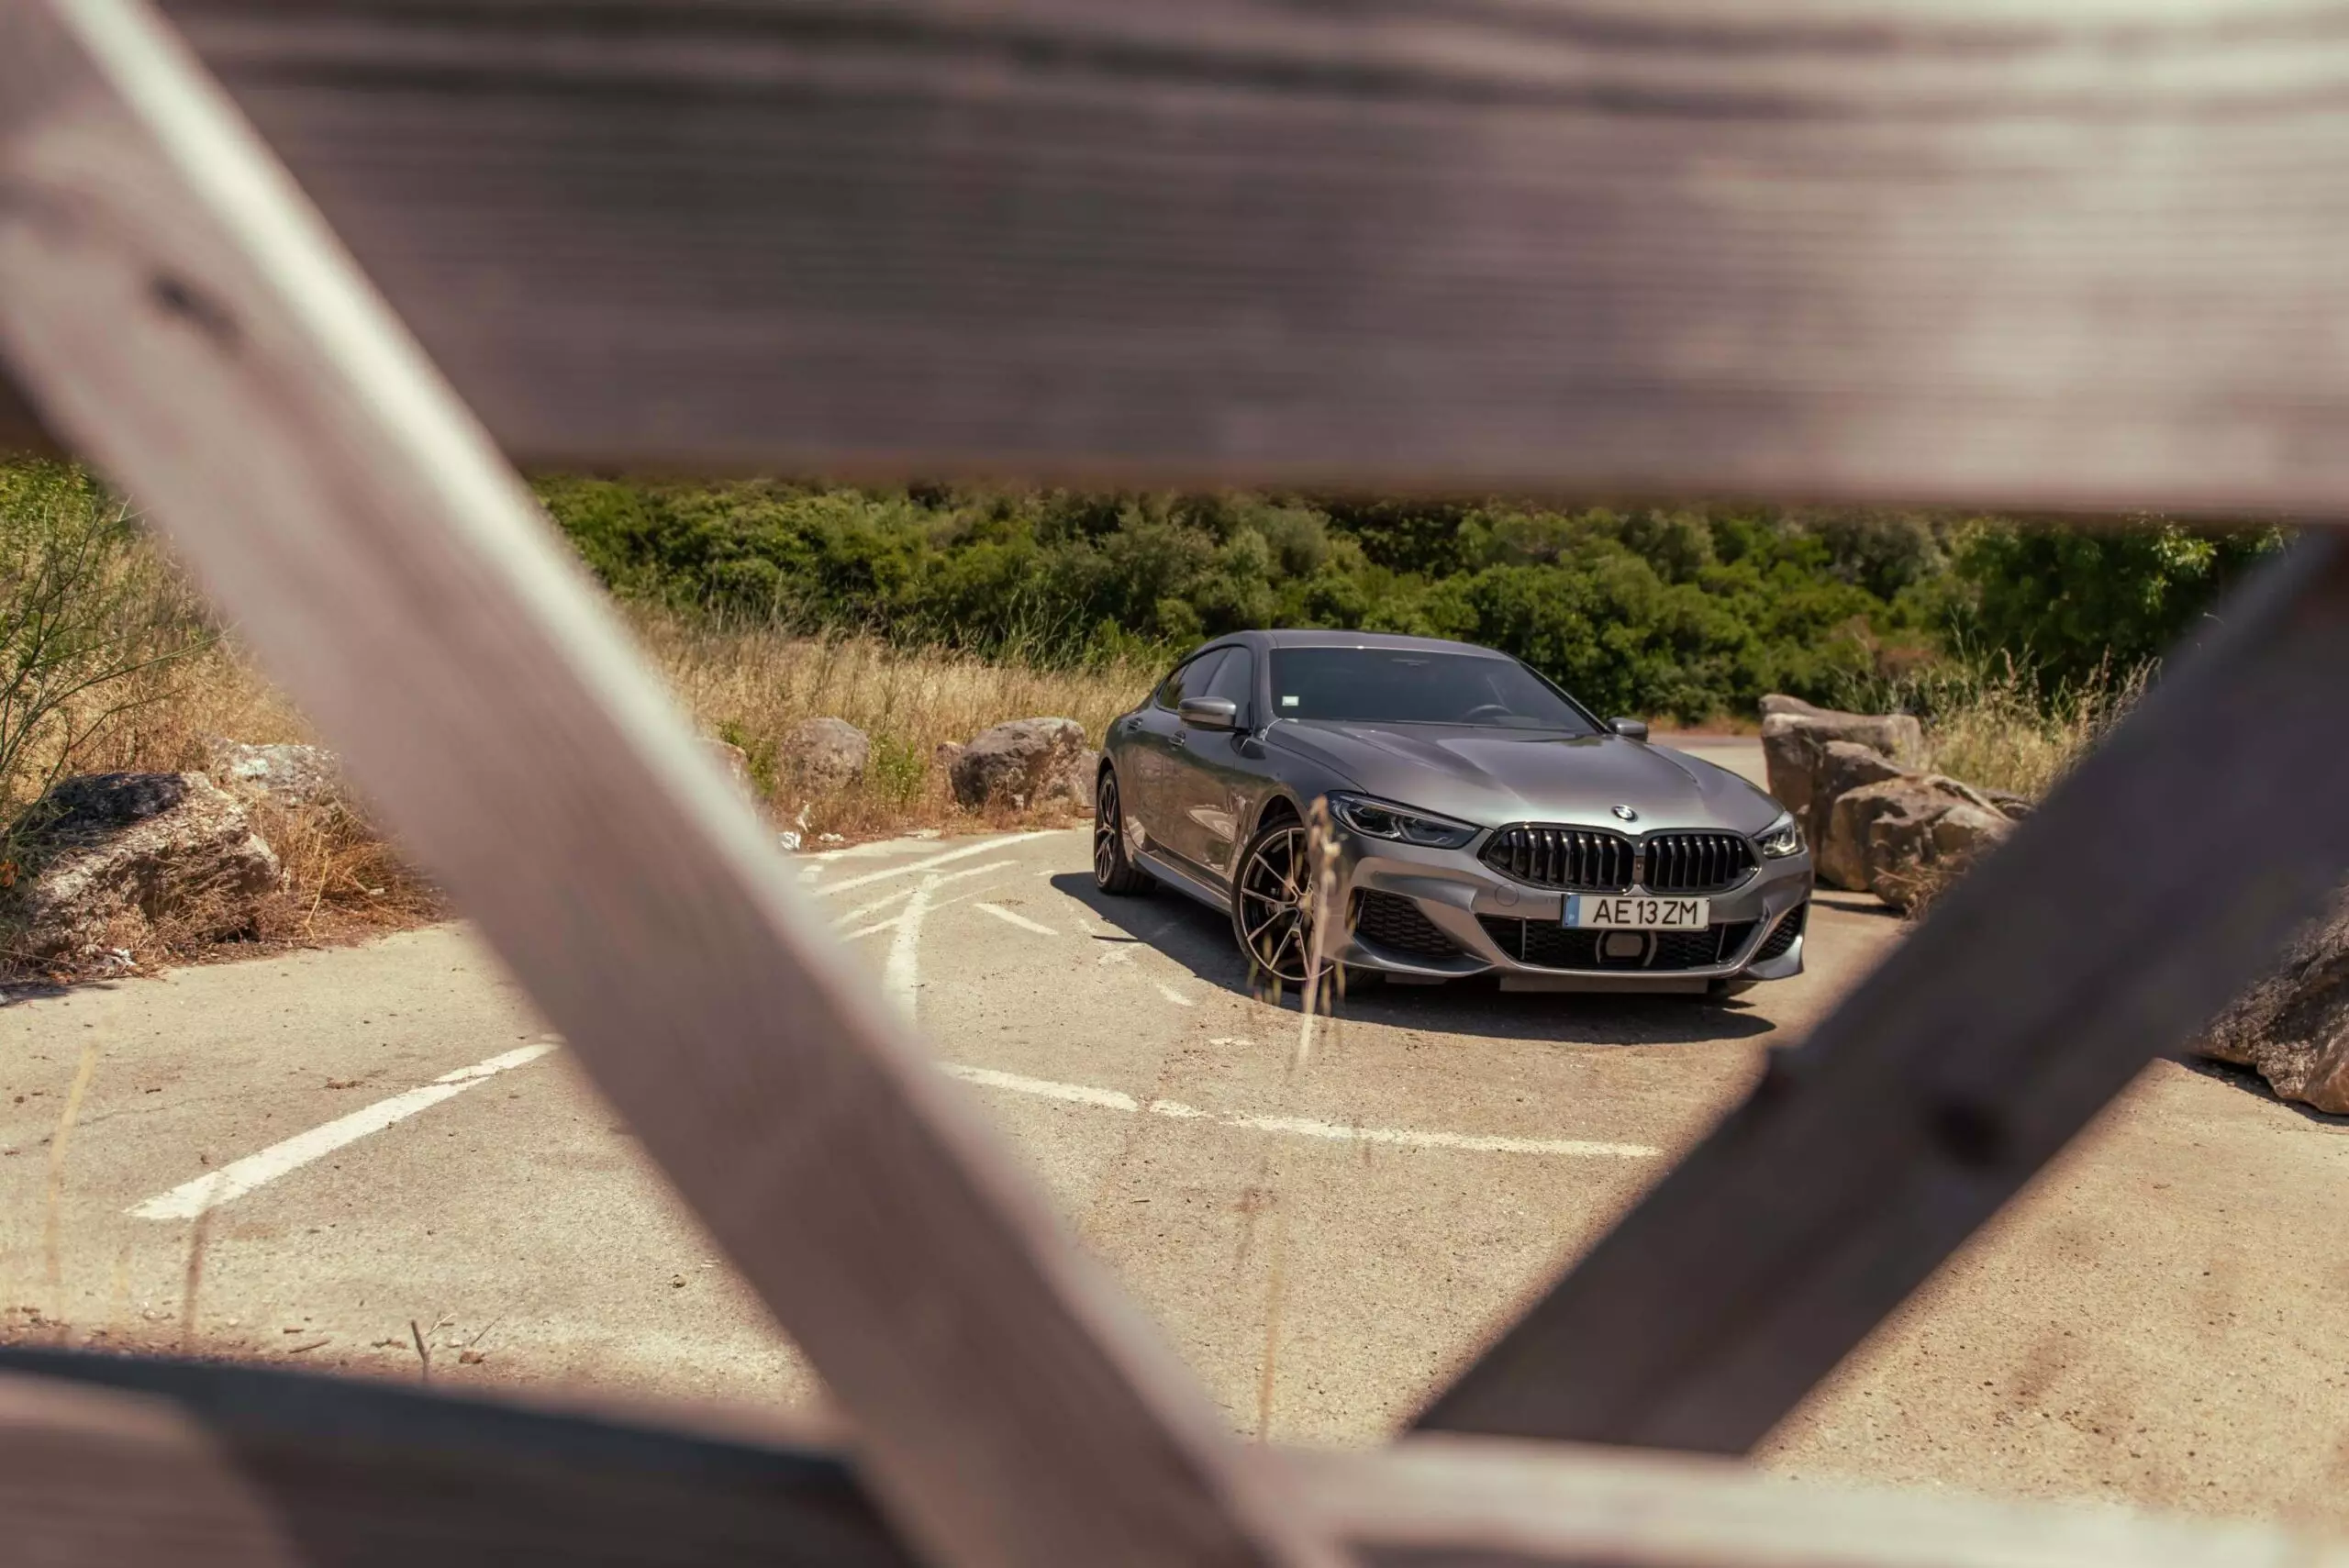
[(1628, 729), (1209, 713)]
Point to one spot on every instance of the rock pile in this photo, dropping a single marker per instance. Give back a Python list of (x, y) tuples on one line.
[(1877, 822), (2292, 1028), (285, 772), (110, 855)]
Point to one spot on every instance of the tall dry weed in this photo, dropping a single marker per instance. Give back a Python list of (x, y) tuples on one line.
[(753, 685), (1997, 725)]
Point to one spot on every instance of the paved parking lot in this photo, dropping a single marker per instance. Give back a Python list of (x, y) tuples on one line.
[(329, 1147)]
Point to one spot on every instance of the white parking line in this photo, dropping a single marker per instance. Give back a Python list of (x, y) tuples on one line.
[(900, 972), (1022, 921), (965, 852), (236, 1179), (1172, 995), (861, 910), (907, 893), (1297, 1126)]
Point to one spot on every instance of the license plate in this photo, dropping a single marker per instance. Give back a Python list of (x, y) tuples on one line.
[(1590, 911)]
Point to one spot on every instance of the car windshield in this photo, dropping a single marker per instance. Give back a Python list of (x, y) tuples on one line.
[(1408, 686)]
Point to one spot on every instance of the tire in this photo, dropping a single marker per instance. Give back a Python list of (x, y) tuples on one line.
[(1112, 871), (1269, 920)]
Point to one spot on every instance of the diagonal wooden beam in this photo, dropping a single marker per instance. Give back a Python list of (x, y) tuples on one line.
[(266, 1469), (183, 317), (2153, 885)]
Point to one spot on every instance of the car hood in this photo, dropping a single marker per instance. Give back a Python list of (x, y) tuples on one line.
[(1496, 776)]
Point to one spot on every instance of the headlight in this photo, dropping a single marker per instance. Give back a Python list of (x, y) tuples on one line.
[(1780, 839), (1377, 819)]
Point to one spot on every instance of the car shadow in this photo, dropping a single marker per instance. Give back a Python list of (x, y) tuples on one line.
[(1200, 940), (1864, 904)]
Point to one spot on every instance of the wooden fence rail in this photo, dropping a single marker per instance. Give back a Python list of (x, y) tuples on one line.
[(270, 1469)]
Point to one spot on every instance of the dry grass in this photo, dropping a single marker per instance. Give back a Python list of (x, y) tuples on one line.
[(750, 686), (1995, 726), (753, 685)]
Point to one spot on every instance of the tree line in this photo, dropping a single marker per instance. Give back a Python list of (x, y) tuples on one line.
[(1686, 611)]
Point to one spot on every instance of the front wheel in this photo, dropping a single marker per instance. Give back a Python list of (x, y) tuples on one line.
[(1112, 871), (1271, 914)]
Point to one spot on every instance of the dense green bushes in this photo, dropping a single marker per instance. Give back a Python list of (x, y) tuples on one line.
[(1688, 612), (2077, 605), (1691, 612)]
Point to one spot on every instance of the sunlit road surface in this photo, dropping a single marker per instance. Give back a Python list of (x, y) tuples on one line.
[(331, 1147)]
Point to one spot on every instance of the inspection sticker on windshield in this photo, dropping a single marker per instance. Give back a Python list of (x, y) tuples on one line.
[(1591, 911)]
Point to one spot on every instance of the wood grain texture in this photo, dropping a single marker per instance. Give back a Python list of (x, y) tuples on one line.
[(107, 1460), (1430, 1501), (2061, 256), (185, 321), (2155, 882), (101, 1458)]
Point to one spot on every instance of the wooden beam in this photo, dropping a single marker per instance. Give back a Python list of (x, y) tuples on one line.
[(1485, 1502), (264, 1468), (2151, 886), (183, 317), (1932, 250)]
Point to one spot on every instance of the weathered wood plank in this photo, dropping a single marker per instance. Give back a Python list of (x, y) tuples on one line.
[(184, 320), (1482, 1503), (262, 1468), (2153, 885), (113, 1460), (2065, 256)]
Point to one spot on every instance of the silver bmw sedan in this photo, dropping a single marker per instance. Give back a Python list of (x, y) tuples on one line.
[(1480, 821)]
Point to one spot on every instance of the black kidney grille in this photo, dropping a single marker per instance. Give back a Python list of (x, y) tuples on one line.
[(1776, 944), (1694, 863), (1548, 945), (1393, 921), (1584, 860)]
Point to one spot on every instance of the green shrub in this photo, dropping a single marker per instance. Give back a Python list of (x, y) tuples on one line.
[(896, 772), (2070, 601)]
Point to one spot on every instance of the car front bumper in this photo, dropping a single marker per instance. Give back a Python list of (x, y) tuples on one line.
[(1494, 925)]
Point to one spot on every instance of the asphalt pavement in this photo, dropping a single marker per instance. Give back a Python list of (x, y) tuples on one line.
[(325, 1157)]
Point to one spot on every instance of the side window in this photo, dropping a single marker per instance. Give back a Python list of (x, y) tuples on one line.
[(1235, 681), (1189, 680)]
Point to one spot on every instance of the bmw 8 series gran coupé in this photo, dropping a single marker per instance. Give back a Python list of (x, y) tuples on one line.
[(1484, 821)]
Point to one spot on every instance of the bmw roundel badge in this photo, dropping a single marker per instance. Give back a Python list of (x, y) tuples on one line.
[(1625, 814)]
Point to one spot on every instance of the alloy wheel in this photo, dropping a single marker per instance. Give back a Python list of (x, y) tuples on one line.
[(1106, 826), (1276, 915)]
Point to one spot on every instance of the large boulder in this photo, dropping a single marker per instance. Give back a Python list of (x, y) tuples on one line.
[(2292, 1028), (1840, 767), (1027, 762), (110, 857), (1794, 750), (1904, 837), (822, 755), (285, 772), (1778, 702)]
